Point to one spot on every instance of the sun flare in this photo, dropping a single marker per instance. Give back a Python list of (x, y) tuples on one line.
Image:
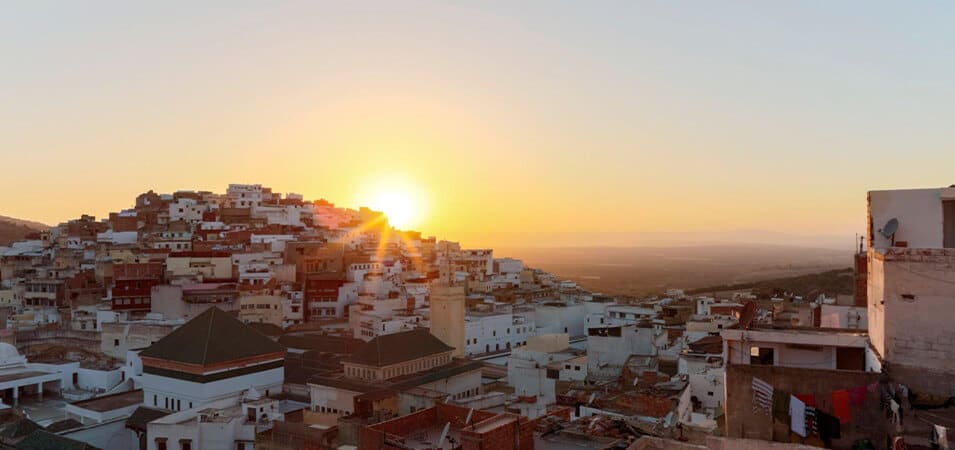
[(397, 206), (402, 202)]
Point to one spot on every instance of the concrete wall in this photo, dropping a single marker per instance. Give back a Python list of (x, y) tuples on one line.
[(119, 338), (561, 319), (867, 421), (839, 316), (93, 380), (332, 398), (919, 212), (911, 312), (157, 388)]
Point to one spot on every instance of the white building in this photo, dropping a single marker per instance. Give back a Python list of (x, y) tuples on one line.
[(911, 285), (528, 366), (800, 347), (226, 424), (496, 330), (609, 349), (244, 195), (212, 357)]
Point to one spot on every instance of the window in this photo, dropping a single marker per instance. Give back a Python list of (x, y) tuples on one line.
[(161, 444), (115, 342), (710, 393), (762, 356), (155, 401), (185, 444), (948, 224)]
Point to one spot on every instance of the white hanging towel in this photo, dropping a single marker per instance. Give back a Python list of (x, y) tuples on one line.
[(797, 416), (941, 434)]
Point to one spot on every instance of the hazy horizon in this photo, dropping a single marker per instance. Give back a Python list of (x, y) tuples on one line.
[(556, 121)]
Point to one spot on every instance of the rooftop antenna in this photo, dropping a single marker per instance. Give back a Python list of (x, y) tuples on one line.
[(861, 240), (888, 231)]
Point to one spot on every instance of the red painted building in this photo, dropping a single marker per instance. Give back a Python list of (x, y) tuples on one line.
[(133, 283), (321, 294)]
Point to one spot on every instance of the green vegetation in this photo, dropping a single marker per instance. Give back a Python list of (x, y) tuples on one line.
[(832, 282)]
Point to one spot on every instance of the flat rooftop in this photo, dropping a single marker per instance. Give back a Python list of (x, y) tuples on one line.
[(112, 402), (19, 375), (427, 438)]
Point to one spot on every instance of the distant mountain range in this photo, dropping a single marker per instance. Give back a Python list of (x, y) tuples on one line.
[(12, 229)]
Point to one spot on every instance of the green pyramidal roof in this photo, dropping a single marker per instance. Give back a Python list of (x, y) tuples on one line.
[(212, 337)]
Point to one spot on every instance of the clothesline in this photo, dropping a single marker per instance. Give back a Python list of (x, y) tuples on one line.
[(935, 419)]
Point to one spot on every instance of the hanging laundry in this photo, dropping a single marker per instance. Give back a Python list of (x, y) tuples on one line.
[(857, 395), (829, 427), (940, 437), (762, 397), (812, 425), (797, 416), (781, 405), (840, 406), (885, 403), (898, 443), (808, 399)]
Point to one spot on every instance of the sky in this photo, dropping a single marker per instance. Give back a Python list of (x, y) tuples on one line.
[(531, 118)]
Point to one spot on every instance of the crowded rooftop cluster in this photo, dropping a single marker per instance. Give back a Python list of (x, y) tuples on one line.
[(249, 319)]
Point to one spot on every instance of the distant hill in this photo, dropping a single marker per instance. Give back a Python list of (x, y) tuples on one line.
[(641, 271), (12, 230), (830, 282)]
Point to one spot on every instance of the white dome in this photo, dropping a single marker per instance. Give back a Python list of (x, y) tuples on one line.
[(252, 394), (9, 356), (8, 352)]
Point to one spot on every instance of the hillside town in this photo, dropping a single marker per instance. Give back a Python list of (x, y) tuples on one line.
[(255, 320)]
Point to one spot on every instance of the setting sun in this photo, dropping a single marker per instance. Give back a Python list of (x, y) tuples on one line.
[(397, 207), (401, 201)]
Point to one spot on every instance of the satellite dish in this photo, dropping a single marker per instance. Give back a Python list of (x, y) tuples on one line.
[(890, 228)]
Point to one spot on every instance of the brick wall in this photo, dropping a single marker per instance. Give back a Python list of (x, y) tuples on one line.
[(502, 437)]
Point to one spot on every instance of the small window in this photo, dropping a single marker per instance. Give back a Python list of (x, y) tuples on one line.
[(185, 444), (710, 393), (762, 356), (161, 444), (115, 342)]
